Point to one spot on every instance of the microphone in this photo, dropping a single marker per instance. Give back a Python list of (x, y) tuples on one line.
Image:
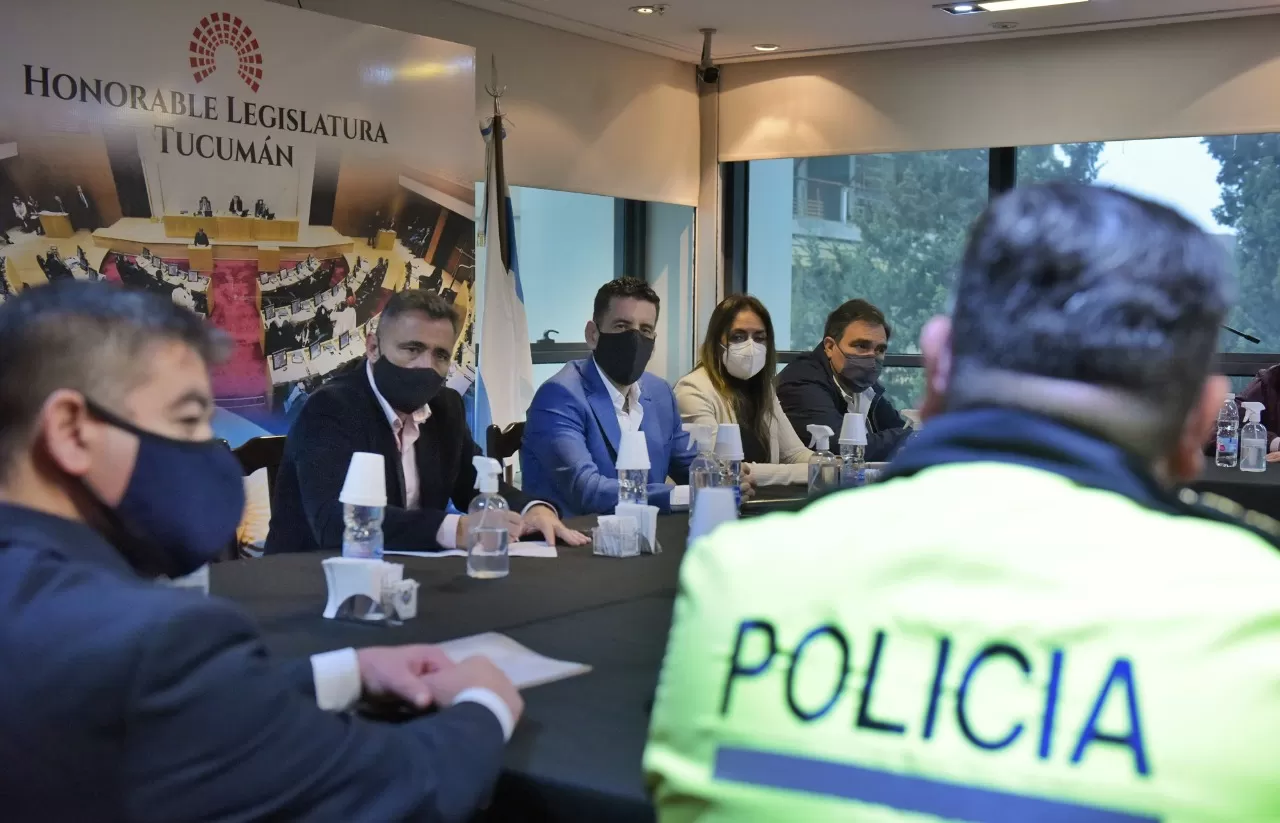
[(1239, 333)]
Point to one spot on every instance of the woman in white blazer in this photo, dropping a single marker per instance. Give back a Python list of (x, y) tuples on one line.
[(733, 383)]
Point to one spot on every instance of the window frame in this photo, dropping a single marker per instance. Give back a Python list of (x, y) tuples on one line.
[(1002, 175)]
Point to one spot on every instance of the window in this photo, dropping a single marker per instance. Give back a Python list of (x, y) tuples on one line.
[(565, 251), (888, 228), (1229, 186)]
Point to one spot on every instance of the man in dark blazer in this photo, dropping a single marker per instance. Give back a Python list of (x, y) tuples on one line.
[(394, 404), (842, 374), (125, 700), (236, 206)]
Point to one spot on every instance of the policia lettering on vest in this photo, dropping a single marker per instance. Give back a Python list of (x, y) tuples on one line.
[(757, 651)]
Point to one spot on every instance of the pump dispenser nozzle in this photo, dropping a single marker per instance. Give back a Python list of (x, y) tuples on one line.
[(700, 435), (487, 472), (820, 437), (1252, 412)]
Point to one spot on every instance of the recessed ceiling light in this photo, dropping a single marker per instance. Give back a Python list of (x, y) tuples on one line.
[(979, 6), (1013, 5), (644, 9), (765, 47)]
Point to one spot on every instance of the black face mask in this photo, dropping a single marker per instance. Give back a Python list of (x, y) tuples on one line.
[(407, 390), (623, 355), (861, 372)]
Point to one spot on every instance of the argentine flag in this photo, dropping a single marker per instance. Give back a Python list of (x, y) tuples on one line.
[(504, 385)]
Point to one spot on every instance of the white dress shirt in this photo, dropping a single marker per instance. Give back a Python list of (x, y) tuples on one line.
[(337, 679), (627, 405), (630, 412), (406, 427)]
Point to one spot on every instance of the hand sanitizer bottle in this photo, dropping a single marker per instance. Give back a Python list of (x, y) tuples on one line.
[(1253, 439), (487, 534), (705, 467), (853, 451), (824, 467)]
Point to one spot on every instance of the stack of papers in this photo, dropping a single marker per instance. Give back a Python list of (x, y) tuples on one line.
[(537, 548), (523, 667)]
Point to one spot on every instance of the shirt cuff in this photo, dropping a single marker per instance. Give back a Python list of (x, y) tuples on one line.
[(533, 503), (490, 700), (447, 534), (337, 679), (679, 497)]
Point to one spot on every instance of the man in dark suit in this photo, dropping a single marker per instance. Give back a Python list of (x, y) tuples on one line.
[(109, 476), (205, 207), (396, 406), (201, 239), (236, 206)]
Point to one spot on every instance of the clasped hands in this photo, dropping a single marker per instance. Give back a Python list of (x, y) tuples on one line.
[(420, 675), (540, 520)]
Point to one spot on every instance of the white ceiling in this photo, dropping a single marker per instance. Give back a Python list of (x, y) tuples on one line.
[(832, 26)]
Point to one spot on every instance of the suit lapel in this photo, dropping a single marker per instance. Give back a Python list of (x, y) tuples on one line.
[(601, 404)]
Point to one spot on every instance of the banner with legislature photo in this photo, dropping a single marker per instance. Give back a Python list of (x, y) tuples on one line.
[(280, 171)]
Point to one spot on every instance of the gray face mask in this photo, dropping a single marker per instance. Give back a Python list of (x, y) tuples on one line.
[(861, 372)]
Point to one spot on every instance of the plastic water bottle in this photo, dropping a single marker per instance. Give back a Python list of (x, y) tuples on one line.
[(633, 486), (362, 536), (363, 498), (853, 451), (729, 457), (705, 469), (1228, 433), (487, 534), (633, 469), (824, 467), (1253, 439)]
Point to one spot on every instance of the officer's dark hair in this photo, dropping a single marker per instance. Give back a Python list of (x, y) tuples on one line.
[(851, 312), (89, 337), (428, 302), (1092, 285), (621, 288)]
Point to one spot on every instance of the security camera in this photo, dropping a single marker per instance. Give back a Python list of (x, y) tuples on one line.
[(708, 73)]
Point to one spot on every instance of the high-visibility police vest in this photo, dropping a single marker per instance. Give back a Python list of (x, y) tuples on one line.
[(982, 642)]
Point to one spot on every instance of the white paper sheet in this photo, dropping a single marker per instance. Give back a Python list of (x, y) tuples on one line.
[(529, 548), (525, 668)]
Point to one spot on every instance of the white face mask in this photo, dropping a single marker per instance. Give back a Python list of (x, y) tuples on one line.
[(744, 360)]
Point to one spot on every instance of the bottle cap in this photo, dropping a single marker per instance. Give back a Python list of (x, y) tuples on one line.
[(853, 432), (821, 437), (1230, 396), (728, 442), (487, 471), (366, 483), (633, 452)]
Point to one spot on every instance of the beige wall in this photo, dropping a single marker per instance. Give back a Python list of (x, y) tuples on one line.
[(583, 115), (1191, 79)]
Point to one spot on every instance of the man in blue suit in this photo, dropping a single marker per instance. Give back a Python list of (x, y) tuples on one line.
[(576, 421), (124, 700)]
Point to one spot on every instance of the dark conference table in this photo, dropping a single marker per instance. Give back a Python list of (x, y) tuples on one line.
[(577, 752)]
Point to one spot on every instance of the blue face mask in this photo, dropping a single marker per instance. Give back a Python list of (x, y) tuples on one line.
[(183, 502)]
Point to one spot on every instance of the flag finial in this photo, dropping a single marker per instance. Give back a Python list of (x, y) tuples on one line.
[(494, 89)]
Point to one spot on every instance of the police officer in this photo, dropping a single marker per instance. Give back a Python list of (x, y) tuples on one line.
[(1026, 622), (109, 476)]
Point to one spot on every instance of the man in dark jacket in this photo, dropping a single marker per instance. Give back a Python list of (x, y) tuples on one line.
[(395, 405), (125, 700), (842, 375), (1265, 389)]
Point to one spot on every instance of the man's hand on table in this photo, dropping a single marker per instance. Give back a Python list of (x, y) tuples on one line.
[(401, 672), (1273, 457), (475, 673), (544, 520), (747, 483)]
